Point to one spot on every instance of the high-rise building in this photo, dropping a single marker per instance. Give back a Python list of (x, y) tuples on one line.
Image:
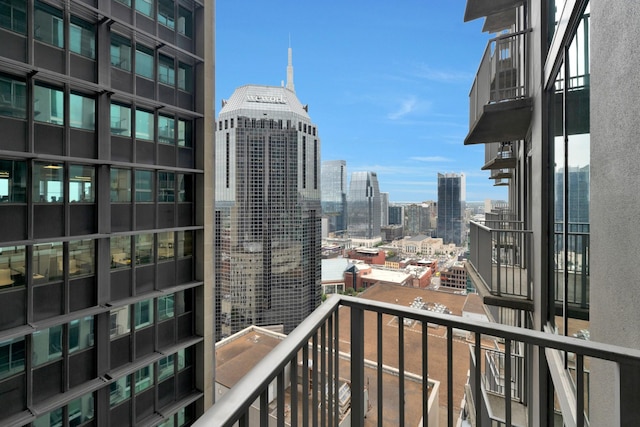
[(451, 198), (334, 194), (396, 214), (417, 219), (384, 209), (363, 205), (106, 171), (268, 213)]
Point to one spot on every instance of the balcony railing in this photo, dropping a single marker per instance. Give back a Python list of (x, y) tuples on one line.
[(340, 325), (499, 252), (572, 264)]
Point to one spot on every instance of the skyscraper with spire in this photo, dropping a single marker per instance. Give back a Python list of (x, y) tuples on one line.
[(268, 214)]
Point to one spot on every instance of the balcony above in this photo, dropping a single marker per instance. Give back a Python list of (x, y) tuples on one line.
[(506, 120), (499, 156), (486, 8)]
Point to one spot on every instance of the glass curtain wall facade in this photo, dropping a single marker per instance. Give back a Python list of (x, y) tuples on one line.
[(101, 278), (268, 213), (451, 208), (334, 194), (364, 206)]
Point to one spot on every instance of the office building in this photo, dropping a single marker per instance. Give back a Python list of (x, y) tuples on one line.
[(384, 209), (451, 198), (268, 213), (105, 182), (363, 206), (396, 214), (334, 195), (417, 219)]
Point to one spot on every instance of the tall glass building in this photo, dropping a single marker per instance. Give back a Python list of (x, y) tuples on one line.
[(268, 213), (334, 194), (106, 170), (364, 206), (451, 190)]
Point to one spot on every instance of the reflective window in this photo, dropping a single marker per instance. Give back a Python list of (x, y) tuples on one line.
[(144, 378), (166, 368), (13, 181), (125, 2), (167, 423), (120, 390), (144, 62), (165, 245), (184, 244), (120, 251), (13, 15), (184, 358), (52, 419), (48, 104), (12, 266), (82, 38), (185, 77), (13, 97), (120, 322), (120, 52), (11, 357), (144, 125), (166, 71), (81, 410), (166, 187), (120, 120), (144, 313), (120, 185), (81, 334), (48, 262), (185, 22), (144, 249), (145, 7), (46, 345), (81, 183), (81, 257), (185, 188), (48, 182), (184, 133), (166, 13), (48, 24), (166, 130), (82, 110), (165, 307), (144, 186)]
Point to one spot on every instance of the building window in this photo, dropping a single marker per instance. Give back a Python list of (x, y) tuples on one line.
[(48, 25), (13, 181), (120, 390), (81, 257), (184, 243), (166, 130), (82, 38), (166, 71), (143, 314), (166, 368), (144, 378), (120, 52), (185, 77), (120, 251), (144, 125), (185, 188), (53, 418), (120, 120), (145, 7), (48, 105), (165, 307), (12, 266), (82, 111), (81, 334), (13, 97), (13, 15), (120, 322), (185, 22), (144, 62), (81, 183), (166, 13), (11, 357), (166, 186), (184, 133), (120, 185), (144, 186), (47, 345), (48, 262), (165, 245), (144, 249), (81, 410), (125, 2), (48, 182), (184, 358)]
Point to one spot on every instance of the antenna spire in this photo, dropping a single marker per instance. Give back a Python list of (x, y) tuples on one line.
[(290, 85)]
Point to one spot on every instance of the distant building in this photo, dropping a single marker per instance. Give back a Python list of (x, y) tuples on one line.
[(367, 255), (384, 209), (391, 232), (423, 245), (333, 274), (454, 277), (334, 194), (396, 215), (417, 219), (363, 206), (362, 276), (451, 198)]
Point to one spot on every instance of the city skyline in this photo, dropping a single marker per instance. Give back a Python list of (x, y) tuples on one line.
[(401, 109)]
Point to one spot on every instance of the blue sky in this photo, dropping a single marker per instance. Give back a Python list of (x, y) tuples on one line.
[(387, 83)]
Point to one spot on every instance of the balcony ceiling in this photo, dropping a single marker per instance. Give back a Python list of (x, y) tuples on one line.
[(499, 21), (480, 8), (500, 163), (501, 121), (501, 175)]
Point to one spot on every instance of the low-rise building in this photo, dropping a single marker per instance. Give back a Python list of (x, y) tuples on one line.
[(368, 255)]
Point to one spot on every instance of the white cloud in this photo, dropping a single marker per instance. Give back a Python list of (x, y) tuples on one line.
[(431, 159), (406, 107)]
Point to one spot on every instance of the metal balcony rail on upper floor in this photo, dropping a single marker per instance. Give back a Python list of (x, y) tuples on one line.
[(571, 264), (500, 253), (340, 325)]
